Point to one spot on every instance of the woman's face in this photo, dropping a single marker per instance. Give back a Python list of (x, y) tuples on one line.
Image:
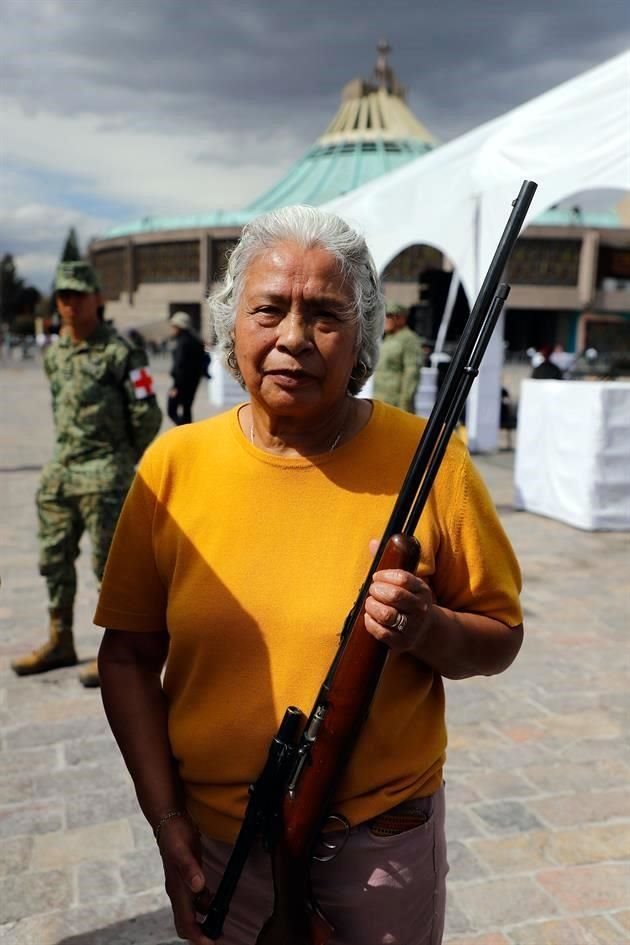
[(295, 337)]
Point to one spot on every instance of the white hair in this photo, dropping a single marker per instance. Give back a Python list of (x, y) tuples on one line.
[(309, 228)]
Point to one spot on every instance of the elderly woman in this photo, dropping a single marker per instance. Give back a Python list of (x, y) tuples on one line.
[(239, 552)]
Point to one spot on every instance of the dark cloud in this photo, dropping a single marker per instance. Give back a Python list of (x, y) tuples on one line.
[(265, 76), (247, 66)]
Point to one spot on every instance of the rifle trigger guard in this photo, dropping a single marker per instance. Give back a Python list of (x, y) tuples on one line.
[(335, 847)]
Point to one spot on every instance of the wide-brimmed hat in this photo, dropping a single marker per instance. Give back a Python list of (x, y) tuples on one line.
[(184, 321), (76, 276)]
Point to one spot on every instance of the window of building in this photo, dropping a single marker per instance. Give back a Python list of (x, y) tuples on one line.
[(111, 267), (167, 262), (613, 264), (545, 262)]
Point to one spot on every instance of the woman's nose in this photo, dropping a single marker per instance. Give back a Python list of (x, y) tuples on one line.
[(295, 333)]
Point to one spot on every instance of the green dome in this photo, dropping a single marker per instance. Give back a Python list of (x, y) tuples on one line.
[(373, 132), (330, 170)]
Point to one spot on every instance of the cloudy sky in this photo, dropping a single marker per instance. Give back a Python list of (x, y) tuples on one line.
[(115, 109)]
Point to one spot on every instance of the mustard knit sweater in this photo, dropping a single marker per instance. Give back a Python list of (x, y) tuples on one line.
[(251, 562)]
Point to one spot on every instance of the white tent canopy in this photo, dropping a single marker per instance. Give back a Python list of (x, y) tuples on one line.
[(457, 198)]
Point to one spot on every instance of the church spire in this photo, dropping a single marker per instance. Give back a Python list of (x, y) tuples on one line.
[(383, 74), (382, 70)]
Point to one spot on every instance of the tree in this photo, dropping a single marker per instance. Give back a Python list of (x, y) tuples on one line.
[(71, 250), (18, 301), (11, 286)]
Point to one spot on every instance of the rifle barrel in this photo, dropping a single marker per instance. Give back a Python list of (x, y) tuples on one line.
[(443, 416)]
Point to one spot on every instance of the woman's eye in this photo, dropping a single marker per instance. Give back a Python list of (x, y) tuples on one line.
[(268, 312)]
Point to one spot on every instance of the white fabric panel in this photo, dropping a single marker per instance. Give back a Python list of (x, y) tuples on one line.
[(483, 406), (574, 138), (572, 458), (223, 390), (429, 200)]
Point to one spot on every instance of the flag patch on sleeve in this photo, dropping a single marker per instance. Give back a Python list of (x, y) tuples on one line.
[(142, 382)]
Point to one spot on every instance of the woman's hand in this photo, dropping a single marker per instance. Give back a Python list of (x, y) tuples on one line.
[(180, 849), (400, 612), (398, 609)]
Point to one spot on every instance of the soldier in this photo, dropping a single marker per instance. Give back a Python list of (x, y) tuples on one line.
[(400, 361), (105, 415)]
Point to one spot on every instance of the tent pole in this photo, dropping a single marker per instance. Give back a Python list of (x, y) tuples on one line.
[(482, 406), (448, 312)]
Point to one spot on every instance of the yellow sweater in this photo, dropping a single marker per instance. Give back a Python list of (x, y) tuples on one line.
[(252, 561)]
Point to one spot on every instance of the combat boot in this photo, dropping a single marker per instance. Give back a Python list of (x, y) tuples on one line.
[(89, 677), (58, 652)]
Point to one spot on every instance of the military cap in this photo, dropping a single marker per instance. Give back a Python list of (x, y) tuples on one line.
[(395, 308), (76, 276)]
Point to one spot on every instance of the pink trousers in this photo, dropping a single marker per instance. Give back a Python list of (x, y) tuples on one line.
[(379, 890)]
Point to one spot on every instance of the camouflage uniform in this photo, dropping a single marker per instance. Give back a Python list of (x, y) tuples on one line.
[(398, 370), (102, 428), (105, 415)]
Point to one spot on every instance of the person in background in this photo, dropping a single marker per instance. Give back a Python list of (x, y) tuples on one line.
[(398, 370), (219, 614), (427, 351), (564, 359), (546, 370), (105, 415), (137, 338), (189, 366), (507, 416)]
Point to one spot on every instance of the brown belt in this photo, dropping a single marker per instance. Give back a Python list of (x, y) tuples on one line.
[(405, 816)]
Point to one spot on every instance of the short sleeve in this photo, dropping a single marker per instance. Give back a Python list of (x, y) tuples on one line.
[(476, 568), (133, 596)]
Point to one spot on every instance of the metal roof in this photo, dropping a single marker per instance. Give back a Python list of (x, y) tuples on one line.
[(197, 221), (566, 216)]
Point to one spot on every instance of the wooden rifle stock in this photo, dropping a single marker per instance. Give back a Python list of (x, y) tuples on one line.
[(296, 919), (320, 756)]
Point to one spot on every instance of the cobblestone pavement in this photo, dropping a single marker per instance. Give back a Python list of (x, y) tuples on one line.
[(537, 777)]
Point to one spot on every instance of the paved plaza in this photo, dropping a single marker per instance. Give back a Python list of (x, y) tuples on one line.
[(538, 775)]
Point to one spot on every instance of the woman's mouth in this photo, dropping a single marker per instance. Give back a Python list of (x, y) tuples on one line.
[(288, 378)]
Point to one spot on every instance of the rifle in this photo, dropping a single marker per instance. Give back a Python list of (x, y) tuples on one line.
[(289, 803)]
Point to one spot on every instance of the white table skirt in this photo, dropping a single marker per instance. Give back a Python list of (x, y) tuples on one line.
[(573, 452)]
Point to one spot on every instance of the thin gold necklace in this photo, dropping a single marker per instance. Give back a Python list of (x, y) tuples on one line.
[(333, 446)]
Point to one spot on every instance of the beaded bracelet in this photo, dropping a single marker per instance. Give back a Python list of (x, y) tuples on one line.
[(167, 816)]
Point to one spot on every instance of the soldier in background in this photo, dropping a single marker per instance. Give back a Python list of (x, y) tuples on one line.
[(398, 371), (105, 415)]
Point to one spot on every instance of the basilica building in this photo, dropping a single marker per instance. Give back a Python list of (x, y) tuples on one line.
[(570, 271)]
